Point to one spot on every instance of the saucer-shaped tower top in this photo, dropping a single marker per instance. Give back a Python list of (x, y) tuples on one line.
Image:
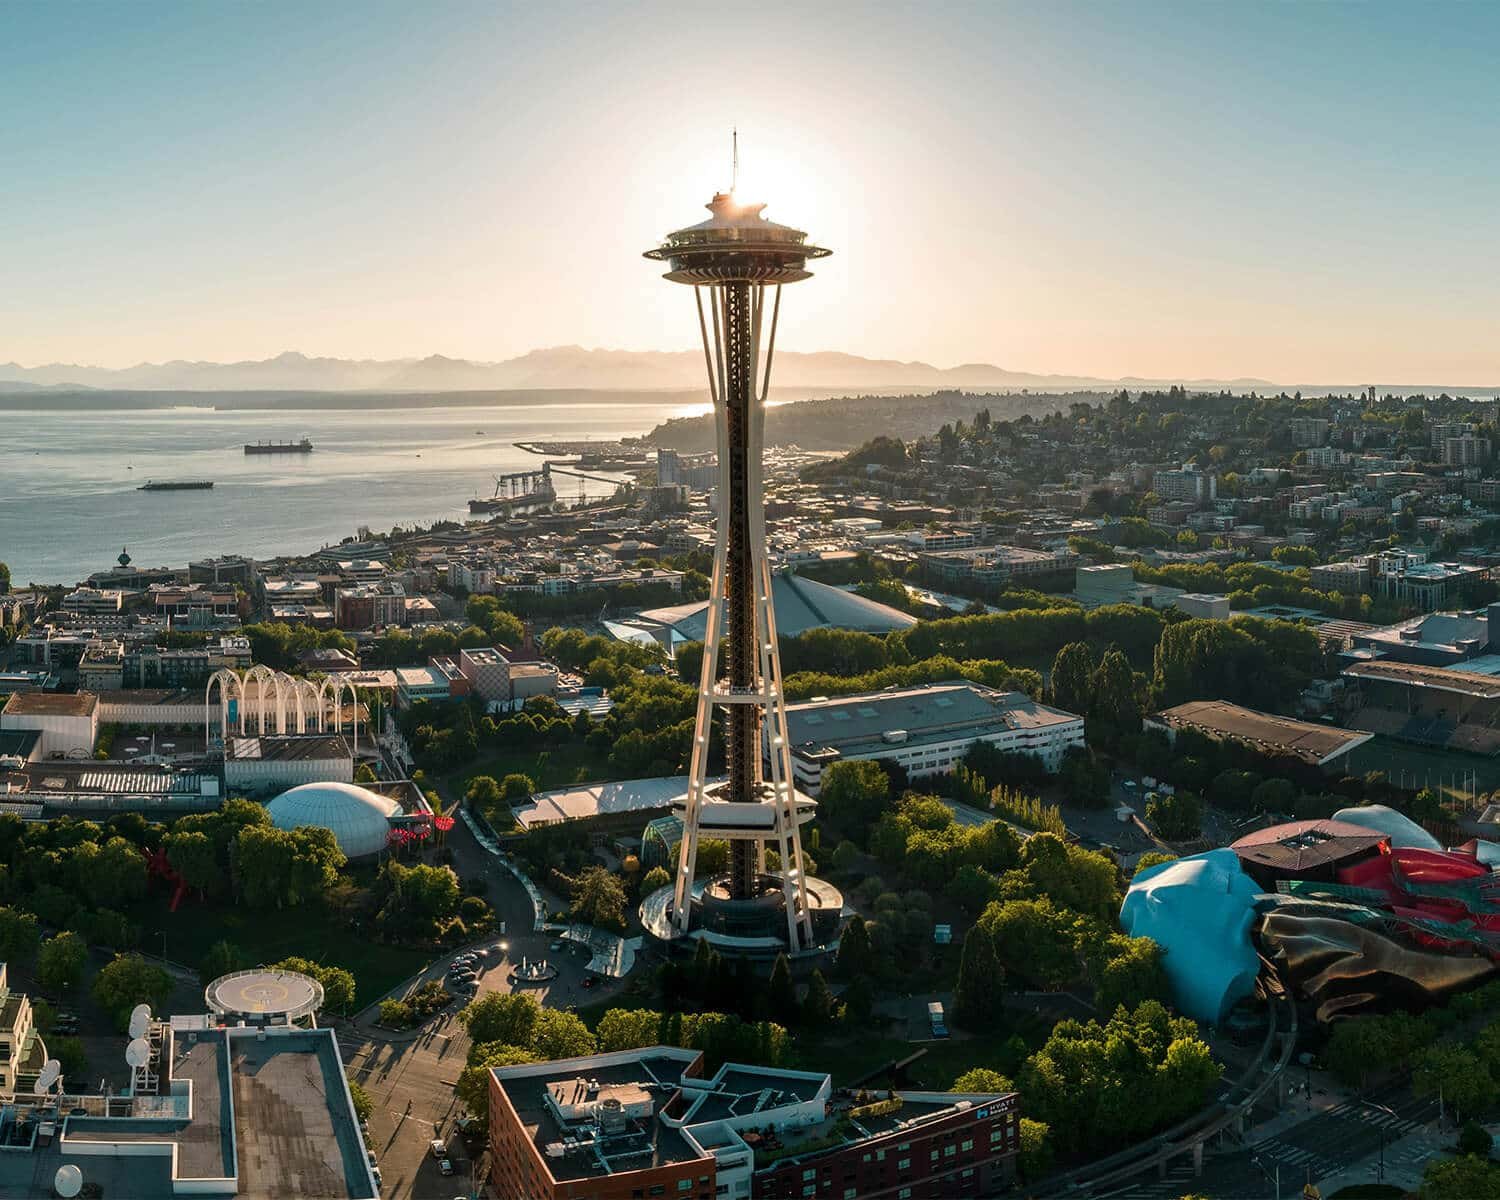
[(736, 245)]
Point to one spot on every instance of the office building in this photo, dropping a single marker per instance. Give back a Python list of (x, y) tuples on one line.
[(927, 729)]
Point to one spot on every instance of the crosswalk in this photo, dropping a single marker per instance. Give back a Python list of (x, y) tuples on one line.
[(1323, 1145)]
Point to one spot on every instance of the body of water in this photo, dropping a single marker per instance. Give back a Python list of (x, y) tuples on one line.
[(68, 480)]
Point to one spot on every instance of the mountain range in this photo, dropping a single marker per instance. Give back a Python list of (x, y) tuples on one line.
[(557, 367)]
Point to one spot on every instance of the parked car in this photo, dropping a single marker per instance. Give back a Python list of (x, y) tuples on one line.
[(445, 1167), (555, 947), (438, 1147)]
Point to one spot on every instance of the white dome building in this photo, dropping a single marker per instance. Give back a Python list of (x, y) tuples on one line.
[(359, 818)]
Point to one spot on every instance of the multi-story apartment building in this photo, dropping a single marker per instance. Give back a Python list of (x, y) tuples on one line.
[(698, 472), (994, 568), (1465, 451), (94, 602), (1308, 431), (369, 606), (153, 667), (1186, 483)]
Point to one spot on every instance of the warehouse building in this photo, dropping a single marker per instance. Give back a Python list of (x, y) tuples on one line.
[(260, 764), (68, 724)]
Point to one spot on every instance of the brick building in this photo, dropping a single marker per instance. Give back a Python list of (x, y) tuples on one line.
[(647, 1123)]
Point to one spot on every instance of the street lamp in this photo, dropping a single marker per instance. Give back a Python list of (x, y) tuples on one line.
[(1380, 1175), (1275, 1179)]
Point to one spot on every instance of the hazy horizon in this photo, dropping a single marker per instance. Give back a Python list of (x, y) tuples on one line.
[(1159, 190)]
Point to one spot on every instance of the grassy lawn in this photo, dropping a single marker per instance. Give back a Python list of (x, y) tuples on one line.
[(554, 767), (850, 1057), (307, 931)]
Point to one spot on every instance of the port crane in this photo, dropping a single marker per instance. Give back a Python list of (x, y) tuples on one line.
[(583, 478)]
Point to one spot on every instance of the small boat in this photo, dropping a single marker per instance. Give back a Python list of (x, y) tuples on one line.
[(175, 485)]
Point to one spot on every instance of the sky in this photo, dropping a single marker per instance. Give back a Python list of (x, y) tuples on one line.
[(1298, 192)]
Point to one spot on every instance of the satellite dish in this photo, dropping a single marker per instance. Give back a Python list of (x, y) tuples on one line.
[(138, 1053), (68, 1181), (48, 1075), (140, 1020)]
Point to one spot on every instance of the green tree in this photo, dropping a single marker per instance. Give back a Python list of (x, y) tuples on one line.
[(128, 980), (1036, 1157), (19, 937), (979, 999), (853, 793), (516, 787), (118, 875), (1177, 817), (1132, 971), (628, 1029), (856, 959), (473, 1088), (980, 1081), (1467, 1177), (1071, 683), (1461, 1076), (1475, 1139), (1033, 940), (483, 792), (192, 855), (819, 1005), (599, 899), (223, 958), (781, 993), (497, 1017), (654, 880), (1152, 858), (363, 774), (557, 1034), (60, 962), (363, 1105), (338, 984)]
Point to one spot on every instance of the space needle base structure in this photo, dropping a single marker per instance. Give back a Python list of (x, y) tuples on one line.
[(765, 903)]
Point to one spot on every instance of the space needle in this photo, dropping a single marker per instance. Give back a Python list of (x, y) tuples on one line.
[(736, 262)]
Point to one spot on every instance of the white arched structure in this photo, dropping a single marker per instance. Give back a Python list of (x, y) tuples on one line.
[(283, 703), (335, 686), (266, 681)]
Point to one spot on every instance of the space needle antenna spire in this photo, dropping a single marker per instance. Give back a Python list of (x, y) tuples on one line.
[(734, 173)]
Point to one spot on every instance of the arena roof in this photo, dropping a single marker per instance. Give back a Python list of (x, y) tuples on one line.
[(1313, 743), (1443, 679), (801, 604)]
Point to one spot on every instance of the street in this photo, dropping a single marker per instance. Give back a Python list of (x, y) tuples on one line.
[(410, 1076)]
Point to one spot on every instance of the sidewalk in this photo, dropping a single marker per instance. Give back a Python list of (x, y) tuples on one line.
[(1327, 1095)]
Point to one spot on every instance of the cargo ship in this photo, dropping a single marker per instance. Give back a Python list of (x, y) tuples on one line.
[(175, 485), (303, 447)]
